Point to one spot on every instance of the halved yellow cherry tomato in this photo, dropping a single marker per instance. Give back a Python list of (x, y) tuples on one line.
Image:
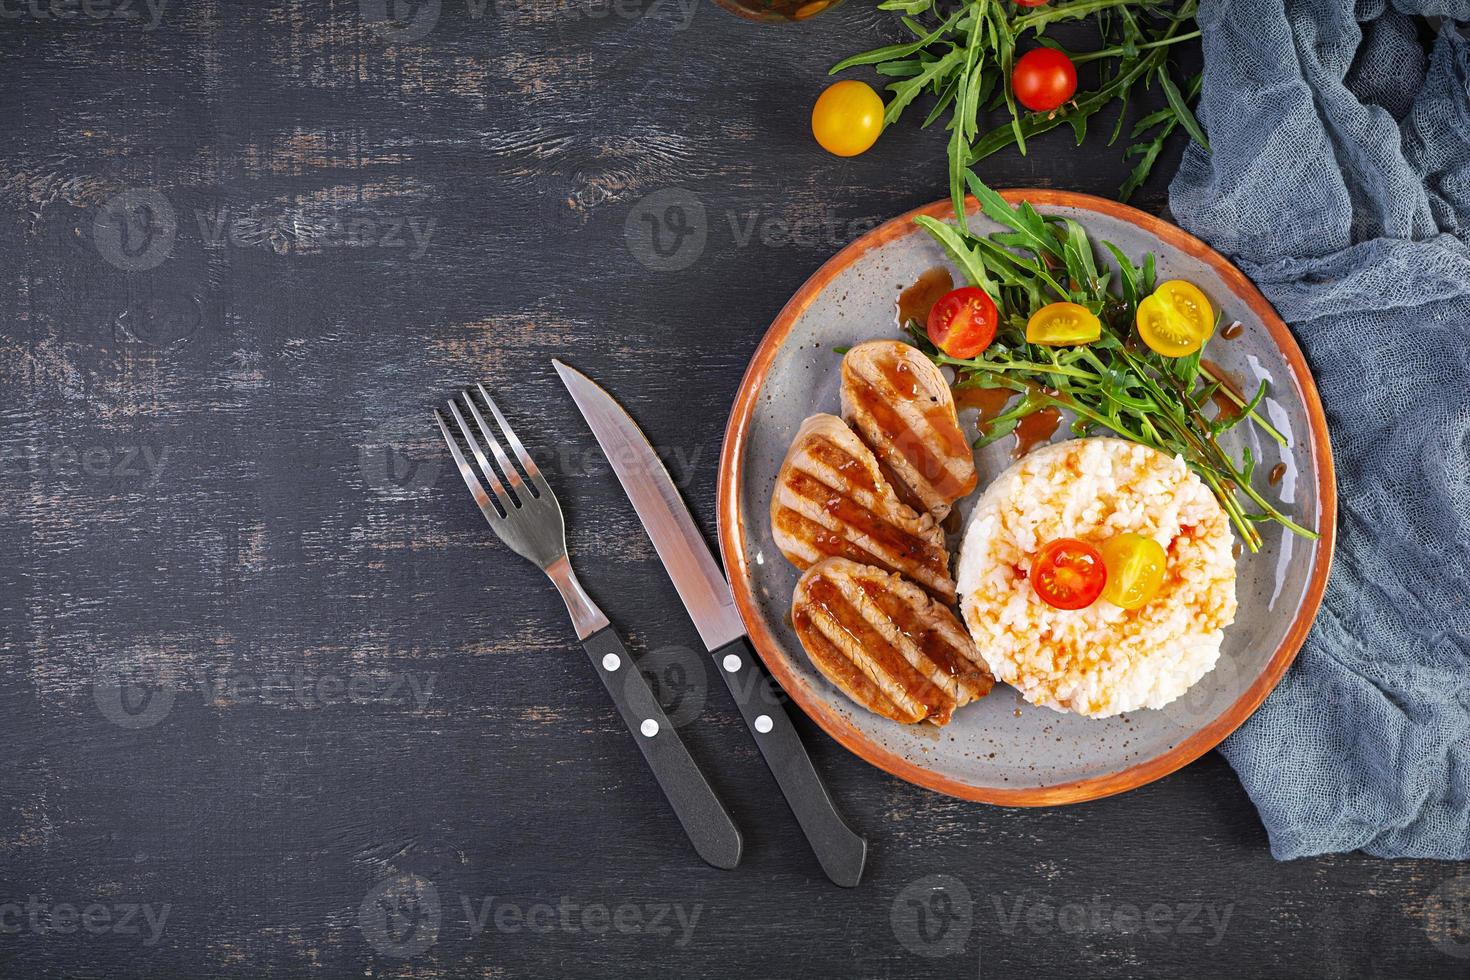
[(847, 118), (1063, 325), (1135, 567), (1176, 320)]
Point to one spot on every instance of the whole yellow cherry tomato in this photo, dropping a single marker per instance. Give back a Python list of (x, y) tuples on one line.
[(847, 118), (1135, 567), (1176, 320), (1062, 325)]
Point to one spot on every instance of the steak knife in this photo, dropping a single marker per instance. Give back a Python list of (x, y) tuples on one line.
[(706, 595)]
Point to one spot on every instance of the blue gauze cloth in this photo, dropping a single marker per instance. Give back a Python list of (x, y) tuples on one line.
[(1339, 181)]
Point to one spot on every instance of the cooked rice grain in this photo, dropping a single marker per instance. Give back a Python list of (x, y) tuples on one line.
[(1101, 660)]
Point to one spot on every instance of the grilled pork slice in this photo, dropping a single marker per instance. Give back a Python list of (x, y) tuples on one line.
[(831, 500), (901, 406), (886, 643)]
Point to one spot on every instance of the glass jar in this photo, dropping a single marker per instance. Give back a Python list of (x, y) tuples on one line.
[(768, 10)]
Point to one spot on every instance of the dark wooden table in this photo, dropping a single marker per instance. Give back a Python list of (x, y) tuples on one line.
[(274, 700)]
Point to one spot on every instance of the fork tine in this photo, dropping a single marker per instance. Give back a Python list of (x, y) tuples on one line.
[(505, 499), (470, 480), (530, 464), (512, 475)]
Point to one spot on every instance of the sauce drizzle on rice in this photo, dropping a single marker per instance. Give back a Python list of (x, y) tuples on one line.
[(1102, 660)]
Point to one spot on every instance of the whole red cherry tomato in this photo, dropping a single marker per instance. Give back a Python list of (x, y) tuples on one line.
[(962, 323), (1044, 79)]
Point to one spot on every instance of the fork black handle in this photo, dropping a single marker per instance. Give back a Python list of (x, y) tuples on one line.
[(713, 834), (839, 850)]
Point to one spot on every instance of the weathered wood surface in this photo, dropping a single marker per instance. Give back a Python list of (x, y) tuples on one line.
[(220, 479)]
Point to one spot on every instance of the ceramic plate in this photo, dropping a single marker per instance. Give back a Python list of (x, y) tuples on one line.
[(1001, 749)]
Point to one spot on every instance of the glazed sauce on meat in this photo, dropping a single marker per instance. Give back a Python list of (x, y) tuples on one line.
[(833, 662), (825, 596), (1034, 430), (846, 511), (851, 470), (915, 302), (930, 640), (914, 448), (900, 376)]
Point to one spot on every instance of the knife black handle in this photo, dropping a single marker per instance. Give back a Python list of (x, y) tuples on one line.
[(713, 834), (840, 851)]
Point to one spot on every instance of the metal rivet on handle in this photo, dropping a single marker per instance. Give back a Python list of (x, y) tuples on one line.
[(731, 663), (650, 727), (611, 662), (764, 724)]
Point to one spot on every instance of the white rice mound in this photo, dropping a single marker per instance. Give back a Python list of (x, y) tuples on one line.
[(1102, 660)]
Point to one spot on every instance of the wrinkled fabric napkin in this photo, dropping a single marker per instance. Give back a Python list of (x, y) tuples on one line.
[(1339, 181)]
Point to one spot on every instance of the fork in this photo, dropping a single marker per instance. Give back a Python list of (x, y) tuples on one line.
[(526, 516)]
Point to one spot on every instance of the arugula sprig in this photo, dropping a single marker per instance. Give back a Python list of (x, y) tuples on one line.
[(962, 53), (1114, 383)]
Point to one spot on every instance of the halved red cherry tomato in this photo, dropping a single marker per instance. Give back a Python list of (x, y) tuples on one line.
[(1068, 574), (962, 323), (1044, 79)]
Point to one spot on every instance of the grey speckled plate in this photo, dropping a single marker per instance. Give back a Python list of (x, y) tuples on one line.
[(1001, 749)]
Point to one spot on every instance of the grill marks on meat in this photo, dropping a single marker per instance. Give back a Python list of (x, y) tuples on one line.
[(898, 402), (886, 643), (831, 500), (859, 509)]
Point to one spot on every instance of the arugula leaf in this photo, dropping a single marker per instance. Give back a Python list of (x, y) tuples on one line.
[(950, 92), (907, 90), (959, 249), (1150, 150), (965, 58), (906, 6), (1128, 276), (1112, 384), (892, 52), (1024, 221), (1181, 109)]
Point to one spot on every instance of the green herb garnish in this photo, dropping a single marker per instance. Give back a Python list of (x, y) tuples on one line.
[(963, 54), (1114, 383)]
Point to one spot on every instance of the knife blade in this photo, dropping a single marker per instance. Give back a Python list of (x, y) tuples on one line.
[(677, 539), (706, 594)]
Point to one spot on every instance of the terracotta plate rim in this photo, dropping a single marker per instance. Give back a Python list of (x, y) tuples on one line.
[(838, 726)]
